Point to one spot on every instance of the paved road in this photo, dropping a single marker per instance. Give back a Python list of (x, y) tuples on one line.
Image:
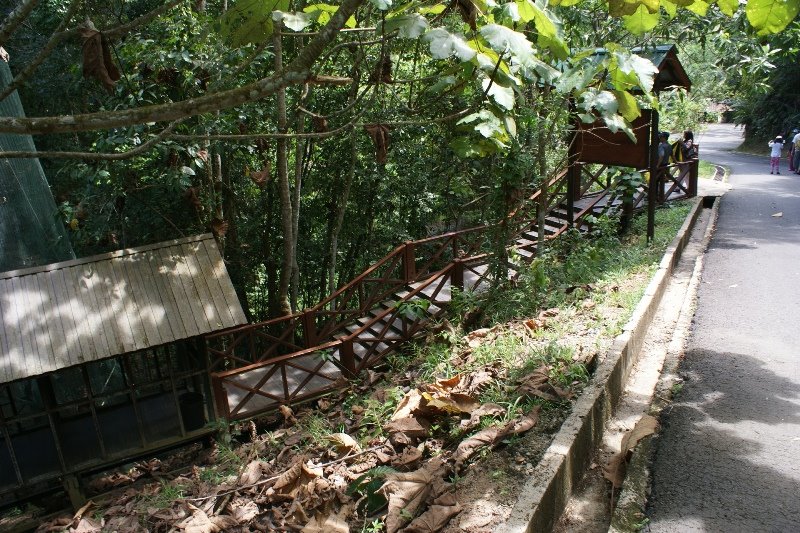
[(728, 458)]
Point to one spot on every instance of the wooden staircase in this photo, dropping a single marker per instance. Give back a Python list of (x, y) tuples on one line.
[(303, 356)]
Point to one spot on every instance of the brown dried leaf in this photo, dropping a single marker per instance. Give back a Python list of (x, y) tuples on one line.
[(219, 227), (331, 523), (492, 435), (448, 403), (469, 12), (86, 525), (97, 61), (614, 471), (436, 516), (466, 448), (414, 428), (262, 177), (288, 415), (344, 443), (407, 491), (537, 383), (252, 472), (288, 478), (380, 138), (243, 512), (487, 409), (408, 405), (409, 457), (320, 123)]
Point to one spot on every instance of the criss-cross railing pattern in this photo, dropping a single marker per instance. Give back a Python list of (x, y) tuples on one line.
[(302, 356)]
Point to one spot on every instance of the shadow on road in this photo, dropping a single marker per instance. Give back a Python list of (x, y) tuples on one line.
[(710, 475)]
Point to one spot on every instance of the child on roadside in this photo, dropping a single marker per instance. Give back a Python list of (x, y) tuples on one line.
[(775, 155)]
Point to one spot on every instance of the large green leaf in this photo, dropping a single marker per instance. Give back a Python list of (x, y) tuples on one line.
[(503, 39), (728, 7), (295, 21), (629, 70), (249, 21), (324, 12), (410, 26), (503, 96), (620, 8), (671, 9), (771, 16), (604, 102), (444, 45), (699, 7), (383, 5), (547, 27), (628, 107), (641, 22), (486, 123)]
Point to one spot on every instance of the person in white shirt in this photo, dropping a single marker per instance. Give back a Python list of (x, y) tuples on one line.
[(775, 154), (796, 158)]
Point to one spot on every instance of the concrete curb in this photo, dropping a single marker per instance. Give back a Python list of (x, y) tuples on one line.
[(628, 515), (543, 497)]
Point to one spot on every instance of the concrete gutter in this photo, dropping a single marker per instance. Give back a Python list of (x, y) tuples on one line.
[(629, 514), (544, 496)]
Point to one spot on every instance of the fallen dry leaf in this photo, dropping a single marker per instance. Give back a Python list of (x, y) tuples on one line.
[(615, 469), (408, 405), (331, 523), (487, 409), (252, 472), (243, 511), (492, 435), (436, 516), (200, 522), (344, 443), (407, 491)]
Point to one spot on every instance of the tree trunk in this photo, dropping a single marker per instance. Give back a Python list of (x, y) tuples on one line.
[(284, 191), (299, 158), (344, 197)]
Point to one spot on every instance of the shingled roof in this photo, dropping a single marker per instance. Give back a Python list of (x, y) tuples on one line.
[(73, 312)]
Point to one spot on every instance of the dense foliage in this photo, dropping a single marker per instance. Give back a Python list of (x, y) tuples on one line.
[(416, 118)]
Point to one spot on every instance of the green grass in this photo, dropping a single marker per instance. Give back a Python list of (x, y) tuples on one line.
[(706, 170)]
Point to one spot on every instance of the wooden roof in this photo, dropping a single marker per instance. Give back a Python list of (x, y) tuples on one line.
[(670, 70), (68, 313)]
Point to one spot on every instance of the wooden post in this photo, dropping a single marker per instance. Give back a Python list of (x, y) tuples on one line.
[(694, 171), (409, 261), (220, 399), (309, 328), (654, 182), (457, 275), (347, 357)]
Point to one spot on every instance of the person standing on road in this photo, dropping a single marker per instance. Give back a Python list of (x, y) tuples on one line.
[(775, 155), (790, 154), (796, 156)]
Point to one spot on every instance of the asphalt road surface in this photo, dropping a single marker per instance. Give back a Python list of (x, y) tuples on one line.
[(728, 455)]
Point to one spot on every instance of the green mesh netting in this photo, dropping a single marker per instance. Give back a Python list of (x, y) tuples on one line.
[(31, 233)]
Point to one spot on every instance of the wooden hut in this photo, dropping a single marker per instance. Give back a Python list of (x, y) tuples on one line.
[(101, 358)]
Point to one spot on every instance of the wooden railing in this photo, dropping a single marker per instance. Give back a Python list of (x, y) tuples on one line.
[(294, 358)]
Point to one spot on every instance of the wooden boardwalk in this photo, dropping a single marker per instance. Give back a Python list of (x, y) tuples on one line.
[(404, 314)]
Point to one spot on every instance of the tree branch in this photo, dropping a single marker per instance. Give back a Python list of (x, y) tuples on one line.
[(123, 29), (296, 72), (15, 18), (93, 155), (56, 38)]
